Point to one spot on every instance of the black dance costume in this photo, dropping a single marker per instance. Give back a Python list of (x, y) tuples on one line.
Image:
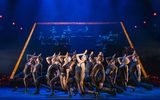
[(71, 78), (55, 69), (27, 73), (37, 76), (78, 70), (88, 69)]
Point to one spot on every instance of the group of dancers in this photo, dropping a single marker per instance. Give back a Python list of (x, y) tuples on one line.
[(84, 73)]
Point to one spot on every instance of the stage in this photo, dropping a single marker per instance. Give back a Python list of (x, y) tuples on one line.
[(100, 45), (139, 93)]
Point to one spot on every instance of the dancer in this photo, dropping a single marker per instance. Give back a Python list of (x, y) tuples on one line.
[(50, 60), (25, 73), (37, 73), (55, 72), (123, 69), (111, 71), (135, 67), (98, 73), (80, 71), (90, 62), (65, 65), (88, 87), (28, 70), (70, 75), (98, 76)]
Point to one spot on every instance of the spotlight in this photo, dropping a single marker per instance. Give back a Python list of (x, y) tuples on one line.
[(154, 14), (1, 16), (21, 28), (135, 26), (13, 23)]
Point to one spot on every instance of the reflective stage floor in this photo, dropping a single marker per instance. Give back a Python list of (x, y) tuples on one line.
[(139, 93)]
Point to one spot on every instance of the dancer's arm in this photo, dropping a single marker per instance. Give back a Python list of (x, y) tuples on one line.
[(72, 64), (48, 59), (24, 69), (59, 55), (119, 61), (91, 54), (139, 72), (107, 60), (77, 56), (29, 56), (101, 54)]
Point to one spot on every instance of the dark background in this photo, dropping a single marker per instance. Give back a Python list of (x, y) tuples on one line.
[(141, 18)]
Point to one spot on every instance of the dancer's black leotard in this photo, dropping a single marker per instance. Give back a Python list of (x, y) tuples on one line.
[(63, 69), (78, 71), (27, 69)]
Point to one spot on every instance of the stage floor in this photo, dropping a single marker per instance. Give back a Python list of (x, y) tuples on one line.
[(139, 93)]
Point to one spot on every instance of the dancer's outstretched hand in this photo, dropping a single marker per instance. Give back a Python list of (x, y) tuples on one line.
[(92, 53), (54, 54), (85, 52), (59, 53)]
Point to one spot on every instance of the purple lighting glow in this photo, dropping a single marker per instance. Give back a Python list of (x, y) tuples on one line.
[(154, 14), (1, 16), (13, 23)]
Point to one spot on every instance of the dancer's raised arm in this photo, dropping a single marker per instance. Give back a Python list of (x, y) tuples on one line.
[(78, 55)]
